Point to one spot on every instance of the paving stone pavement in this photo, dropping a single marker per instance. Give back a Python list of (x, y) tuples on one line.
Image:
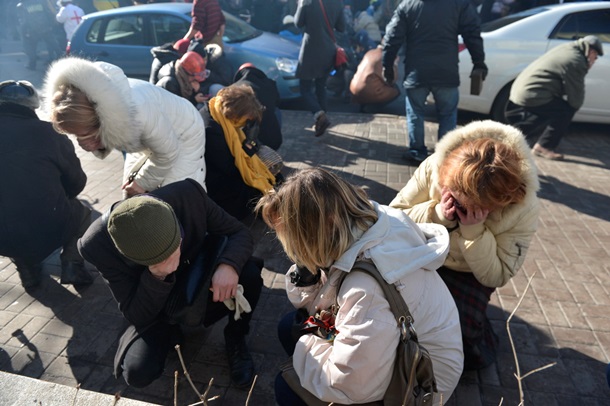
[(67, 336)]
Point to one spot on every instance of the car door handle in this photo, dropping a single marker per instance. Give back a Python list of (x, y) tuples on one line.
[(103, 53)]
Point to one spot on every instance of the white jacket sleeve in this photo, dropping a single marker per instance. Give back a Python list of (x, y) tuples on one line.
[(62, 16), (161, 139)]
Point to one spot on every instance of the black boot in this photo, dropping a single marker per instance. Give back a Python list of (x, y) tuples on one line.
[(74, 273), (30, 275), (241, 363)]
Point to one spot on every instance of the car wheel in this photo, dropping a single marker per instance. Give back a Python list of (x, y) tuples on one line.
[(505, 111)]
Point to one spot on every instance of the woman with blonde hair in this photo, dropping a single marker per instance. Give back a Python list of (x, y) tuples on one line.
[(163, 135), (326, 225), (236, 175), (481, 184)]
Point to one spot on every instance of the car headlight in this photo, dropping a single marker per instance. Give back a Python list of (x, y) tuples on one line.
[(286, 65)]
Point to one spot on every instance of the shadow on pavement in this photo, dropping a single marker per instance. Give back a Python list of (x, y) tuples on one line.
[(578, 199)]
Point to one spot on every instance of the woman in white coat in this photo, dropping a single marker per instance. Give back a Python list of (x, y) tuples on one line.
[(162, 134), (326, 225)]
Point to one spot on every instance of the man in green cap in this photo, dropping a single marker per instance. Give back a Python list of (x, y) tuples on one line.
[(174, 258)]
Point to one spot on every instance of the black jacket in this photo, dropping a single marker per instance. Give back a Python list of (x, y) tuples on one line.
[(41, 176), (268, 95), (162, 55), (430, 29), (141, 297)]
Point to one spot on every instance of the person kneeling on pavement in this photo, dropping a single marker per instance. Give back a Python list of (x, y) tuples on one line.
[(41, 177), (175, 260)]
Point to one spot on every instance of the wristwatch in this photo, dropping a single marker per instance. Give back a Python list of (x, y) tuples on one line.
[(302, 277)]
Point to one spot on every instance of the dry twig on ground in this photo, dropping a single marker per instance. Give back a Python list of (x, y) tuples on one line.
[(518, 375)]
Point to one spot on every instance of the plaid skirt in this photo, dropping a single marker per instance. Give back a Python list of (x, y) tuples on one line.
[(471, 298)]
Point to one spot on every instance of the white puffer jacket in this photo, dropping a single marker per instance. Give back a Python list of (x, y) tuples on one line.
[(357, 366), (138, 118)]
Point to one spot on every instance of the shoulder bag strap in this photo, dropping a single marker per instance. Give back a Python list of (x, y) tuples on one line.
[(397, 303), (330, 29)]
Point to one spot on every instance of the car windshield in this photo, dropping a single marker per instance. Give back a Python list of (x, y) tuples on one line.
[(237, 30), (504, 21)]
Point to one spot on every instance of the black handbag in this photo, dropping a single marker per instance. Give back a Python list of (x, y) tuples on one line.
[(413, 382)]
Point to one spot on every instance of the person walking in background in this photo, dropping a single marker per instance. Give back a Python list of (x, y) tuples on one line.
[(317, 55), (208, 22), (162, 134), (37, 24), (41, 179), (336, 226), (481, 184), (70, 15), (165, 274), (430, 30), (552, 89)]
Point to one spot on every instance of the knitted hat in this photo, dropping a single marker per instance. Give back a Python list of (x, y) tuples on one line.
[(19, 92), (144, 229), (181, 46), (594, 43)]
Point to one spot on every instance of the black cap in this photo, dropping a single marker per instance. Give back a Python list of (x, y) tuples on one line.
[(19, 92)]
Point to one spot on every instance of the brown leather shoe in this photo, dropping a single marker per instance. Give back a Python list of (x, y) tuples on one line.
[(539, 150)]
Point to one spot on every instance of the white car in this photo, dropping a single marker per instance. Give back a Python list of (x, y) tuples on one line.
[(513, 42)]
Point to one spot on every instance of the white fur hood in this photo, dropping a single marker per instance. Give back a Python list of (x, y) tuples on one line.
[(109, 89)]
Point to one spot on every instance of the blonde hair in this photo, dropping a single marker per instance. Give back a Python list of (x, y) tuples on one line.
[(239, 101), (317, 216), (485, 170), (72, 111)]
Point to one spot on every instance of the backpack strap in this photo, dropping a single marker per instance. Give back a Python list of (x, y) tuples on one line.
[(397, 303)]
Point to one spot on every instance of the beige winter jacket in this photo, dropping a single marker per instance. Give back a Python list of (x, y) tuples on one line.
[(495, 249)]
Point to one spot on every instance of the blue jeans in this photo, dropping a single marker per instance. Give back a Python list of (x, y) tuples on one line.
[(446, 101)]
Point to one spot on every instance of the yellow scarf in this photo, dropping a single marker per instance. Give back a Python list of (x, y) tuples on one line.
[(253, 171)]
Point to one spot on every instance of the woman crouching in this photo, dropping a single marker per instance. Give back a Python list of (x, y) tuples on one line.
[(325, 225)]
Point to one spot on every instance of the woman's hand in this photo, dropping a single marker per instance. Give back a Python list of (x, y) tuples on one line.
[(200, 98), (224, 283), (132, 188), (447, 203), (472, 215)]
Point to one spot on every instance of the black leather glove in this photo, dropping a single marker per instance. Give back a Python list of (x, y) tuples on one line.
[(300, 317), (479, 68), (388, 75)]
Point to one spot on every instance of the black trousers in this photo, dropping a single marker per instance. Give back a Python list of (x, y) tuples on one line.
[(144, 360), (69, 251), (548, 123)]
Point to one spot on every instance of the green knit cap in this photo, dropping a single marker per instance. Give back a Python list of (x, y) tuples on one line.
[(144, 229)]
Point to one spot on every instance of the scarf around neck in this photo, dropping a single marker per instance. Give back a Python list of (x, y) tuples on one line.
[(253, 171)]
